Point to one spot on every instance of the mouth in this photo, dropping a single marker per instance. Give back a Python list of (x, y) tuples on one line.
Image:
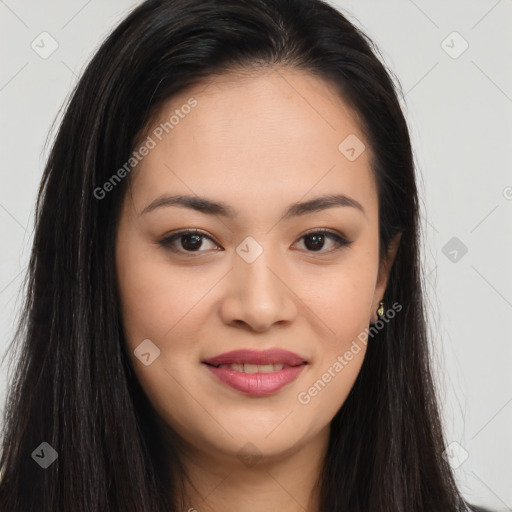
[(251, 359), (254, 368), (256, 373)]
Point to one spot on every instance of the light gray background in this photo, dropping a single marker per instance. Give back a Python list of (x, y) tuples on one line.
[(459, 111)]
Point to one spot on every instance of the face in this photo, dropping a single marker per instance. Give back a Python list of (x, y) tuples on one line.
[(260, 273)]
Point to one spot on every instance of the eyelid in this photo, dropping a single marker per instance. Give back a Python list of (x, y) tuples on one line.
[(340, 239)]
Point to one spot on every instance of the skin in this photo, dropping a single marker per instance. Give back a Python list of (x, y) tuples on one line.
[(258, 142)]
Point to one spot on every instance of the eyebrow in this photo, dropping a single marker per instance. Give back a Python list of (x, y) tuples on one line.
[(211, 207)]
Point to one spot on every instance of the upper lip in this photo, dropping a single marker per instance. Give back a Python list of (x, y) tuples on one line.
[(245, 356)]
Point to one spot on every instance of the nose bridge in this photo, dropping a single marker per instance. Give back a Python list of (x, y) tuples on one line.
[(252, 269), (257, 294)]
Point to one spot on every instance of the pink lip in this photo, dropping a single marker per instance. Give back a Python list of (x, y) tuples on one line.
[(270, 356), (257, 384)]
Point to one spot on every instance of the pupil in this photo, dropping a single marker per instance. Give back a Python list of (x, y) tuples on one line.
[(196, 240), (318, 241)]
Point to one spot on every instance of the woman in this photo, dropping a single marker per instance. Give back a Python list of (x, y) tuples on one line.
[(224, 307)]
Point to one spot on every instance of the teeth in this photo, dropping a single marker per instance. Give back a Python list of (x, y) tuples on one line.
[(254, 368)]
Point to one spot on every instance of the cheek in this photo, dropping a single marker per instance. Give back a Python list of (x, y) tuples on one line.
[(329, 384), (342, 294), (155, 295), (339, 356), (343, 302), (157, 302)]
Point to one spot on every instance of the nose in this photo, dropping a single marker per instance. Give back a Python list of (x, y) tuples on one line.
[(258, 295)]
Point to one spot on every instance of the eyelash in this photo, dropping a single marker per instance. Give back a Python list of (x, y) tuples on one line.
[(169, 240)]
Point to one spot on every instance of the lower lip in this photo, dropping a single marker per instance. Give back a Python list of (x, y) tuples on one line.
[(257, 384)]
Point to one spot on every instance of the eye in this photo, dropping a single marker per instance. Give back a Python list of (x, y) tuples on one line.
[(315, 240), (191, 241)]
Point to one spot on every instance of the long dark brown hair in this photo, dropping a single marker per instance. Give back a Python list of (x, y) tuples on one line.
[(73, 385)]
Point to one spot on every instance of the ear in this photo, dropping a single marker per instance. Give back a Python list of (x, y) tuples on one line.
[(383, 275)]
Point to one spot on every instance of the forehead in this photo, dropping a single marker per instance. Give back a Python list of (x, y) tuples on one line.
[(273, 134)]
